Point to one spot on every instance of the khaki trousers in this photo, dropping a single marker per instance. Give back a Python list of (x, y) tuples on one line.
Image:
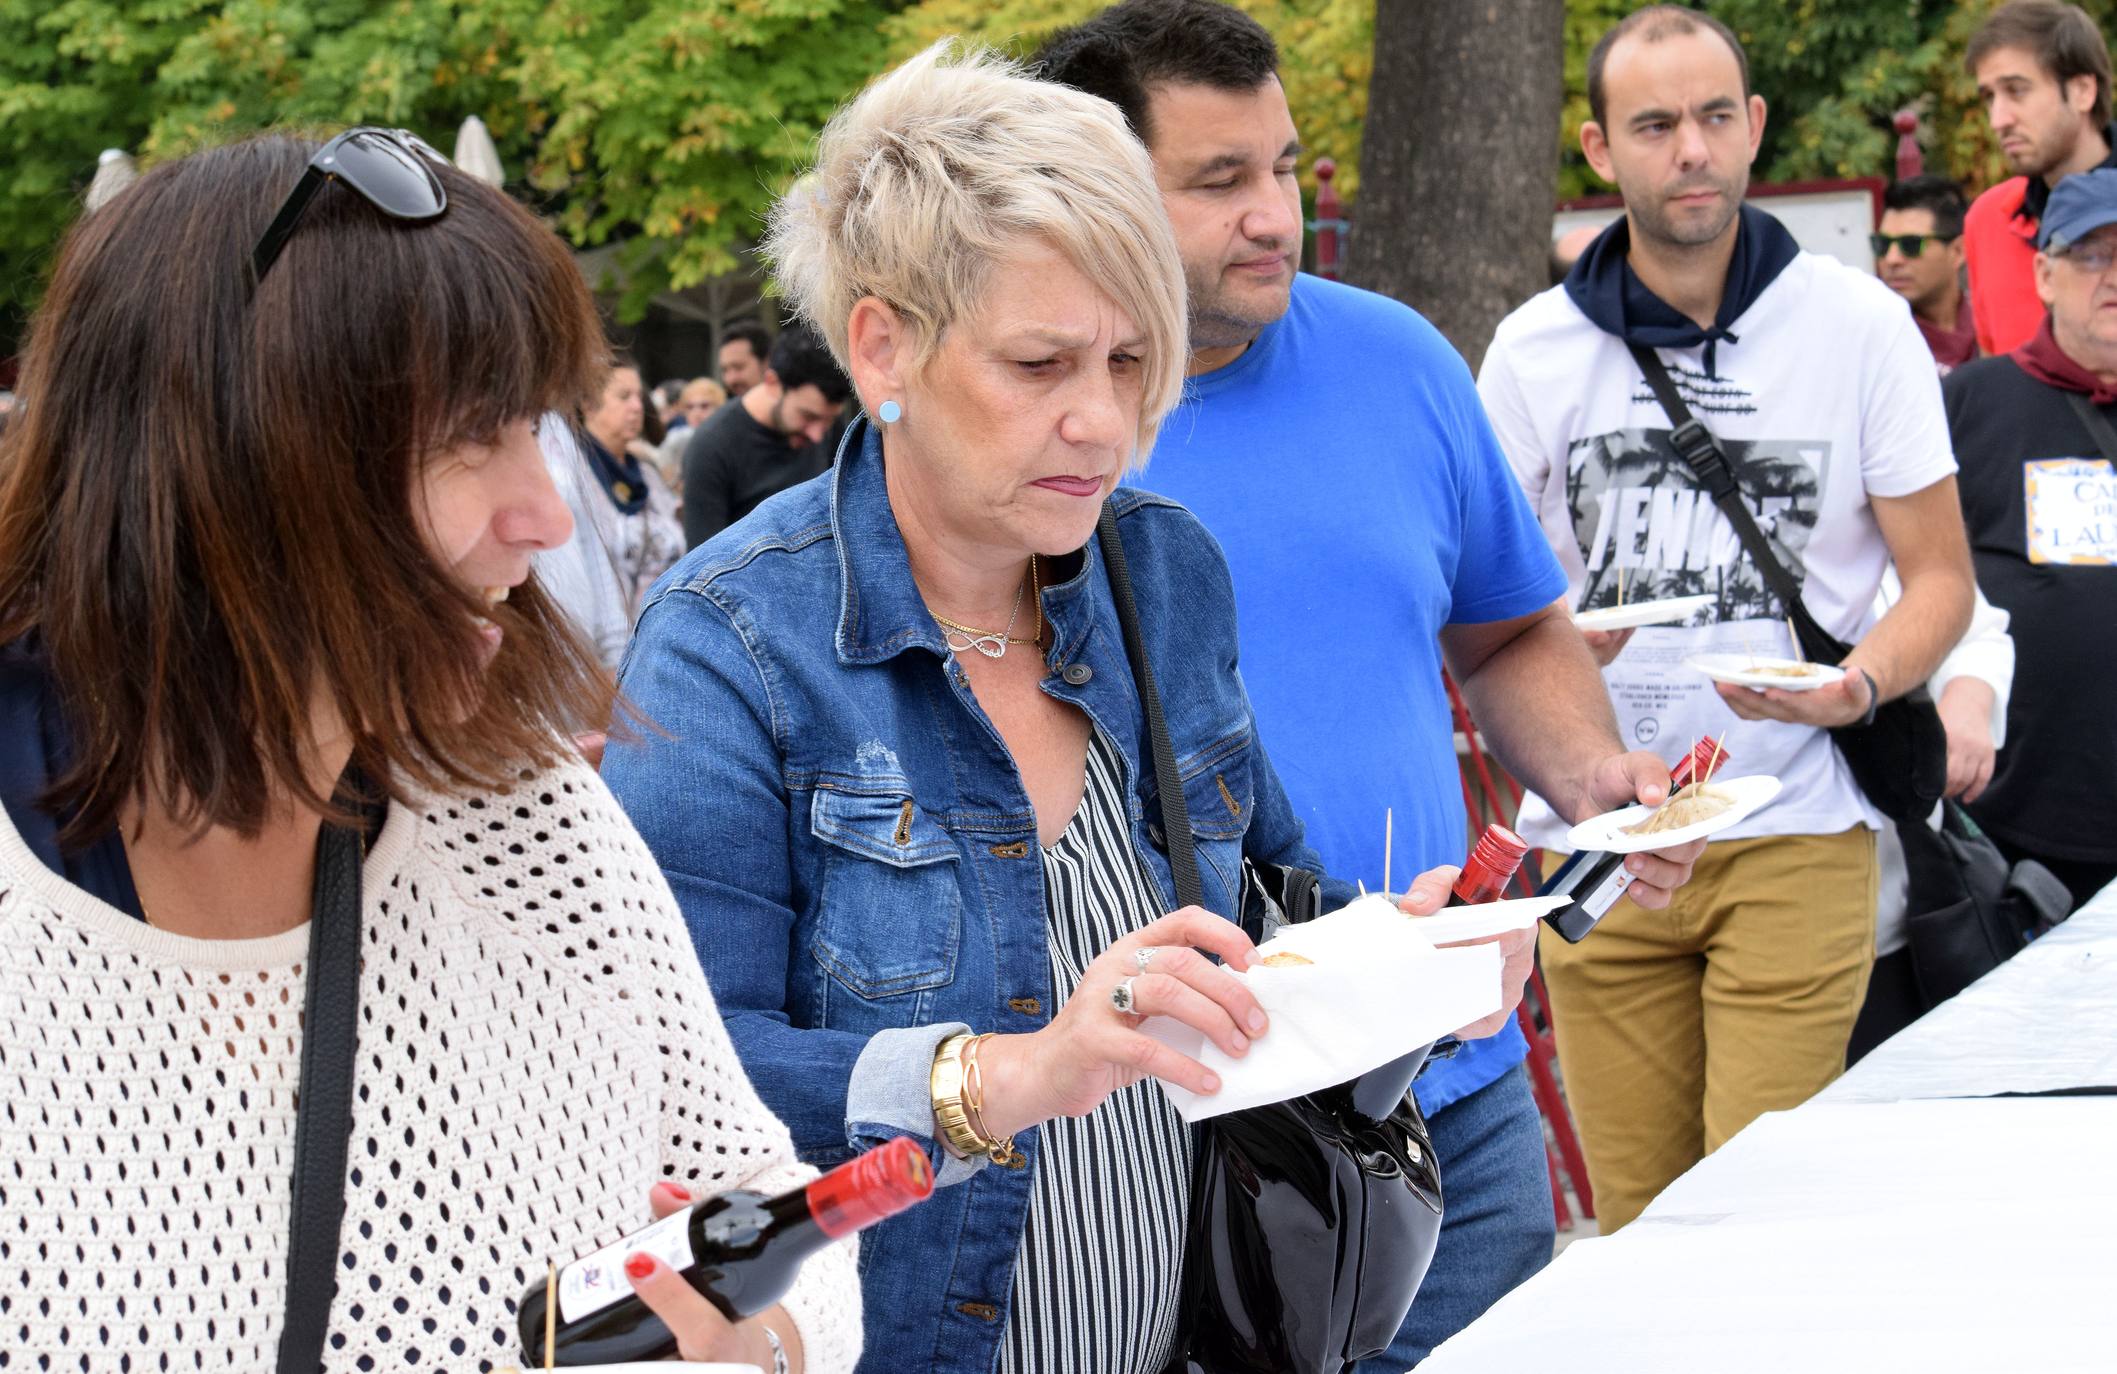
[(1677, 1028)]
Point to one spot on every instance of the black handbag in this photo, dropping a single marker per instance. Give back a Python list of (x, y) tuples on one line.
[(1900, 759), (1311, 1224), (1970, 910), (323, 1123)]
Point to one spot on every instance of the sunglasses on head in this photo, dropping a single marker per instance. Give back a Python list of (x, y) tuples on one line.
[(388, 167), (1910, 245)]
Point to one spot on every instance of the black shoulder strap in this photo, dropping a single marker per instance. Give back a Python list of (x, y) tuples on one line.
[(1175, 814), (323, 1123), (2096, 423), (1701, 452)]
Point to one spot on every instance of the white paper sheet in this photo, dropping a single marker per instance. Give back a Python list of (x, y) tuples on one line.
[(1376, 990)]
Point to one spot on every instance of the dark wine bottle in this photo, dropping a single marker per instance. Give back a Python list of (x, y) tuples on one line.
[(740, 1249), (1486, 873), (1596, 878)]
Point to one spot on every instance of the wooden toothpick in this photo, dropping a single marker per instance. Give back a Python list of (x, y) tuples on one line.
[(1713, 762), (1620, 584), (1389, 839), (551, 1313), (1795, 637)]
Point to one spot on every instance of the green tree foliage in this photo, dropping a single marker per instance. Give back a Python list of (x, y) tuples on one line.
[(670, 124), (1326, 50), (667, 123)]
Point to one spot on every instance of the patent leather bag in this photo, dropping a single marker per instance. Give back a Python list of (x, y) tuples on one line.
[(1311, 1223)]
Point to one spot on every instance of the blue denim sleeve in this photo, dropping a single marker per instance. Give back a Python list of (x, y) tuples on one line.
[(702, 782), (891, 1094)]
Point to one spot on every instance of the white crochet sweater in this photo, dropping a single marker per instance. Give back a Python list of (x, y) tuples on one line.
[(537, 1048)]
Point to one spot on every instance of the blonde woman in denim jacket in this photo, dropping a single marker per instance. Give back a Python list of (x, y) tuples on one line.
[(899, 779)]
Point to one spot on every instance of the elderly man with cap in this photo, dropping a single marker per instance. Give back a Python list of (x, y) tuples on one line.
[(2033, 434)]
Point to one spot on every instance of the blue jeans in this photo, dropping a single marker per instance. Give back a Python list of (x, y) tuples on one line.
[(1498, 1228)]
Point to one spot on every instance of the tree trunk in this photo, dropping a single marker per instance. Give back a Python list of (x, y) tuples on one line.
[(1459, 160)]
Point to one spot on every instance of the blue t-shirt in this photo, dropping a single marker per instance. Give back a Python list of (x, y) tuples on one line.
[(1347, 468)]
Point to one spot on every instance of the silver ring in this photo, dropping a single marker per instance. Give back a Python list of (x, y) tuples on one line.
[(1144, 957), (1121, 996)]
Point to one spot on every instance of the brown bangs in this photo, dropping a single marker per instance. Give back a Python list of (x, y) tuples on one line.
[(209, 513)]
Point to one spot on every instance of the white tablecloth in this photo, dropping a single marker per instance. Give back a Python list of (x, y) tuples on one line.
[(1903, 1220)]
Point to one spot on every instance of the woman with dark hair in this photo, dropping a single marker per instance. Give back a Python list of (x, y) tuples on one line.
[(282, 755)]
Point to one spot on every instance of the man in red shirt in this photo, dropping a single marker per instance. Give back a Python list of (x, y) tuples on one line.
[(2043, 74), (1919, 255)]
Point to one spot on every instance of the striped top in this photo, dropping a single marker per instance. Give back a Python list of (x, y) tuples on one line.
[(1098, 1276)]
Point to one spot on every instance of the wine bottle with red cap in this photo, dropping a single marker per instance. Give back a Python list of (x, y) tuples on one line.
[(740, 1249), (1486, 873), (1595, 878)]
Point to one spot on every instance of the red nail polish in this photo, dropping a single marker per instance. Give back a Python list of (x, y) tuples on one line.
[(639, 1264), (677, 1190)]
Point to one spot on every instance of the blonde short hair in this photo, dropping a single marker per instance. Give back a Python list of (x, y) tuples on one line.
[(950, 163), (702, 389)]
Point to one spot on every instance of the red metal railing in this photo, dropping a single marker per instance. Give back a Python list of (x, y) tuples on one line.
[(1490, 796)]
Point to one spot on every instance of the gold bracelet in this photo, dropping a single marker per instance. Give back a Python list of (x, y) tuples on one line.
[(958, 1137), (1002, 1151)]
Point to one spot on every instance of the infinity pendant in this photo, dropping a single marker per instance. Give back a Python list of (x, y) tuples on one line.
[(992, 645)]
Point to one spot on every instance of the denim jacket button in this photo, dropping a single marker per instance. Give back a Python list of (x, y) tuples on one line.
[(1027, 1006), (1156, 834), (1077, 674), (983, 1311)]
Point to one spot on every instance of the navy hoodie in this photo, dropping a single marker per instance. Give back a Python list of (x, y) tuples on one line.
[(1609, 293)]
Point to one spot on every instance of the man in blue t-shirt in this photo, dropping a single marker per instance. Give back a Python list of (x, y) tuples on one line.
[(1334, 443)]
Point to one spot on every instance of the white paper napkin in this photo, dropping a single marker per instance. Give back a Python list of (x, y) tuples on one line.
[(1376, 990)]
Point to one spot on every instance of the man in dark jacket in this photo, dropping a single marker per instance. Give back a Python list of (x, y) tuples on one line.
[(767, 440), (2032, 432)]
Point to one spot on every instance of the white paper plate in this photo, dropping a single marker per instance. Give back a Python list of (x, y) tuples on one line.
[(1606, 832), (1670, 610), (1740, 670)]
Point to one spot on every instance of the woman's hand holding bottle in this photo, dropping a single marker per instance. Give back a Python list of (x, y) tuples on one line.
[(701, 1332)]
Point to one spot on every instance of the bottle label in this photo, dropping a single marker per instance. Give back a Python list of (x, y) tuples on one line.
[(1605, 893), (593, 1282)]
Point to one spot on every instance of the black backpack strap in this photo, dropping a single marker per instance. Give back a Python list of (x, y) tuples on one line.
[(1701, 452), (323, 1124), (1175, 814), (2096, 423)]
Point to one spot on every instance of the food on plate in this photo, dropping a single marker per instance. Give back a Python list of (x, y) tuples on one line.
[(1784, 669), (1685, 806), (1284, 959)]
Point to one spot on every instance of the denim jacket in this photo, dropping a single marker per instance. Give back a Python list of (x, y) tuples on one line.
[(856, 854)]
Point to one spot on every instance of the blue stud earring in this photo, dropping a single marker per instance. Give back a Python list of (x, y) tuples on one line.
[(890, 412)]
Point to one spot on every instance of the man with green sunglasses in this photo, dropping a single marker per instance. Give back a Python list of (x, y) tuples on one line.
[(1919, 255)]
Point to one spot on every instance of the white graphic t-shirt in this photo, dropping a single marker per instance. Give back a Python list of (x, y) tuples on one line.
[(1822, 396)]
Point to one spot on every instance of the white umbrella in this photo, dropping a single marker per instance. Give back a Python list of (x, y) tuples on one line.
[(476, 154), (114, 172)]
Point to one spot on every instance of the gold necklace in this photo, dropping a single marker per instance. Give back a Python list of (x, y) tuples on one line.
[(993, 643)]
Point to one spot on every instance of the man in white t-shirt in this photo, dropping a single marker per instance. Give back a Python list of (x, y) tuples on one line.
[(1677, 1028)]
